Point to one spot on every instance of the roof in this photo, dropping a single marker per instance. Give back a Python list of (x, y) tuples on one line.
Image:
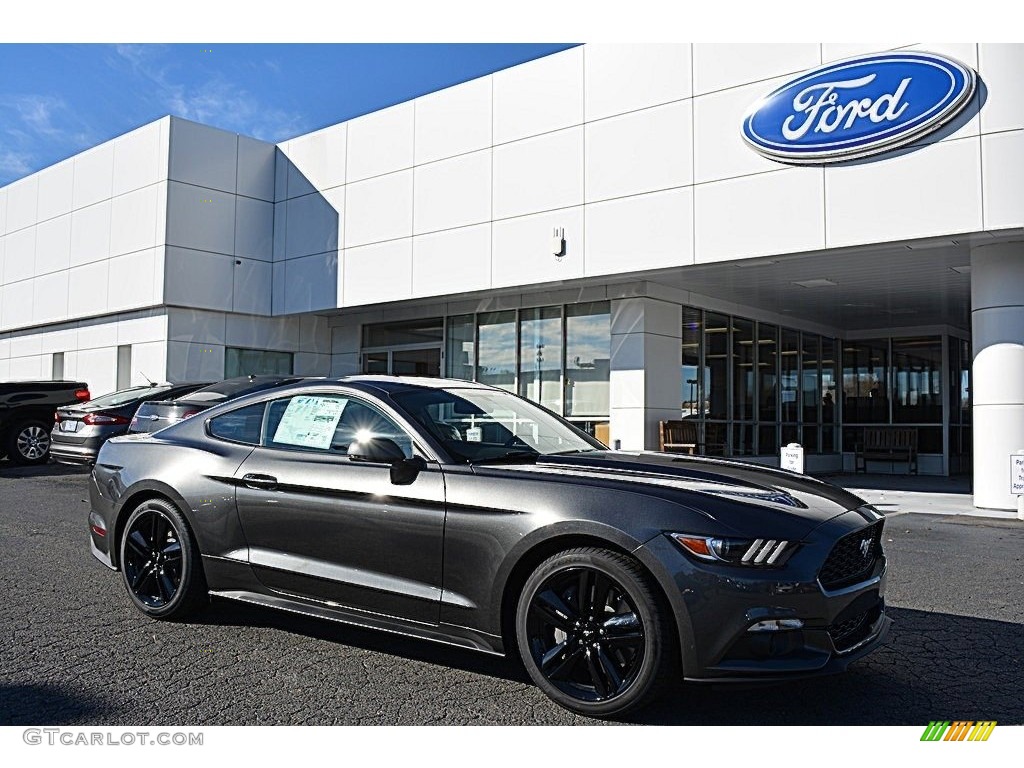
[(395, 383)]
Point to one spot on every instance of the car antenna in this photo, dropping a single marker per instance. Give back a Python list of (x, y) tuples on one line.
[(148, 380)]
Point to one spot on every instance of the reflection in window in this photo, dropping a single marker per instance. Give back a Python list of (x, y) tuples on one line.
[(716, 358), (743, 369), (540, 356), (460, 350), (255, 362), (496, 363), (767, 376), (917, 380), (789, 373), (694, 383), (865, 385), (587, 359)]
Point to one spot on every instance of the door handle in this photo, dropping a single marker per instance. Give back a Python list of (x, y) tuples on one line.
[(262, 482)]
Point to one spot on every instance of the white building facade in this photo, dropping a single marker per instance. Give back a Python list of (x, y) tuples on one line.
[(589, 229)]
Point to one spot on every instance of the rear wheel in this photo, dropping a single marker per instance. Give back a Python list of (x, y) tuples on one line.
[(29, 443), (160, 562), (592, 633)]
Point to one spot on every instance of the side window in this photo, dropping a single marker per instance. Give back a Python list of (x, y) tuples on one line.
[(328, 423), (241, 426)]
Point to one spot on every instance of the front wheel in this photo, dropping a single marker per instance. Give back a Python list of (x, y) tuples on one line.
[(160, 562), (592, 633)]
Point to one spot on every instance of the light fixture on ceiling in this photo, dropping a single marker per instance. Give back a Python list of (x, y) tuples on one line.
[(748, 264), (819, 282)]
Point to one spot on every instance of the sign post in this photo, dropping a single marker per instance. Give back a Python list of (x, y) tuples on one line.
[(792, 458), (1017, 480)]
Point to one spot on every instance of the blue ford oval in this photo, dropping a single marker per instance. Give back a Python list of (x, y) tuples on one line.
[(858, 107)]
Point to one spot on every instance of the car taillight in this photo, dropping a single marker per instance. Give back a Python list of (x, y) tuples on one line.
[(186, 414), (82, 395), (56, 417), (104, 419)]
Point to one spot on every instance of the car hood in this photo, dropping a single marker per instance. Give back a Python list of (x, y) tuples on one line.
[(742, 498)]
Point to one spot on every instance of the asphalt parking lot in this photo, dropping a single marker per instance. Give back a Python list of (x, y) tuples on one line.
[(74, 652)]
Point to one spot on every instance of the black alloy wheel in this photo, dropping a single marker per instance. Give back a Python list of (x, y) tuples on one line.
[(591, 632), (29, 443), (160, 561)]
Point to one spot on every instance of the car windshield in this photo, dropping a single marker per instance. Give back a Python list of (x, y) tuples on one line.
[(486, 425), (115, 399)]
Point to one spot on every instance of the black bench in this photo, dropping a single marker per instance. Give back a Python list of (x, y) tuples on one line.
[(886, 444)]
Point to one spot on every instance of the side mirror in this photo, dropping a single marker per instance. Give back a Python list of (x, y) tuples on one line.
[(405, 471), (379, 450)]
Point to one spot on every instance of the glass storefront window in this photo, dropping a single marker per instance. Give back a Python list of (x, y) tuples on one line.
[(789, 375), (917, 381), (540, 356), (767, 376), (865, 386), (743, 369), (588, 351), (829, 389), (694, 384), (496, 358), (256, 362), (407, 332), (460, 347), (716, 360)]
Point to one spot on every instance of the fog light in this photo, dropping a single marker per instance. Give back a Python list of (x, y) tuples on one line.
[(776, 625)]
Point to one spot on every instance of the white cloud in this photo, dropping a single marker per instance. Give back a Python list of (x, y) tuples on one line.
[(14, 164)]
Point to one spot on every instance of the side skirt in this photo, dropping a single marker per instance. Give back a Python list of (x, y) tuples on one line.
[(460, 637)]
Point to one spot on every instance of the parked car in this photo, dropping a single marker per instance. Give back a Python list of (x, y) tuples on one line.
[(80, 430), (461, 513), (26, 416), (157, 414)]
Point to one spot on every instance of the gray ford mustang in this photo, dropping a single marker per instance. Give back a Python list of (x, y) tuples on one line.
[(460, 513)]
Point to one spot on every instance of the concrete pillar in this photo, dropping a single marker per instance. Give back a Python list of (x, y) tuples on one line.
[(646, 377), (997, 320)]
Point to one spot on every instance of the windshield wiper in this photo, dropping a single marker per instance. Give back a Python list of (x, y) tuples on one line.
[(512, 456)]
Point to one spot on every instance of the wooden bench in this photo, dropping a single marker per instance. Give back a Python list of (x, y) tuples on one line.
[(679, 437), (886, 444)]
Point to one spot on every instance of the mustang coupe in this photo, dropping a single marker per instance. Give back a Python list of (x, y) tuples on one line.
[(456, 512)]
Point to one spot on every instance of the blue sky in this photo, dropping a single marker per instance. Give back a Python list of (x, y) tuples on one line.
[(56, 100)]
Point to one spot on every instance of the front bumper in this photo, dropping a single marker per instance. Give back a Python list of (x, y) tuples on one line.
[(716, 606)]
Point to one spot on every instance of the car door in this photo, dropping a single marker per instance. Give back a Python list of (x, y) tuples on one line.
[(323, 526)]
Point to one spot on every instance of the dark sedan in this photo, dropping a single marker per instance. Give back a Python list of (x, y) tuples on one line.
[(460, 513), (80, 430), (153, 416)]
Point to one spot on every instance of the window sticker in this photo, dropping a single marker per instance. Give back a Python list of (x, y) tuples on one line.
[(474, 435), (310, 421)]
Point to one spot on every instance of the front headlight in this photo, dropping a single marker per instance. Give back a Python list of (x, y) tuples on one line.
[(754, 552)]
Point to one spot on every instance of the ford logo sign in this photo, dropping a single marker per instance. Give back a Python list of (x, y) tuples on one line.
[(858, 107)]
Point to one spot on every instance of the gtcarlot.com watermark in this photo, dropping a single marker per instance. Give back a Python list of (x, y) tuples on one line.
[(75, 737)]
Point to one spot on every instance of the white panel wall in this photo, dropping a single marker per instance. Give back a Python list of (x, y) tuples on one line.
[(539, 96), (452, 193), (622, 78), (454, 121), (932, 191), (539, 174), (67, 223), (717, 66), (381, 142)]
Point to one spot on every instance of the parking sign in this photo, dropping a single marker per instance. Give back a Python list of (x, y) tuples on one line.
[(1017, 474)]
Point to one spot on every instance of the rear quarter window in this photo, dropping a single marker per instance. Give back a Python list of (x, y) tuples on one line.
[(243, 425)]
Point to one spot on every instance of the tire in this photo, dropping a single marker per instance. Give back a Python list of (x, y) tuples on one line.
[(602, 656), (160, 563), (28, 442)]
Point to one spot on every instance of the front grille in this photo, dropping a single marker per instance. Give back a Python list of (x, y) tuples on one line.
[(851, 559), (847, 633)]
